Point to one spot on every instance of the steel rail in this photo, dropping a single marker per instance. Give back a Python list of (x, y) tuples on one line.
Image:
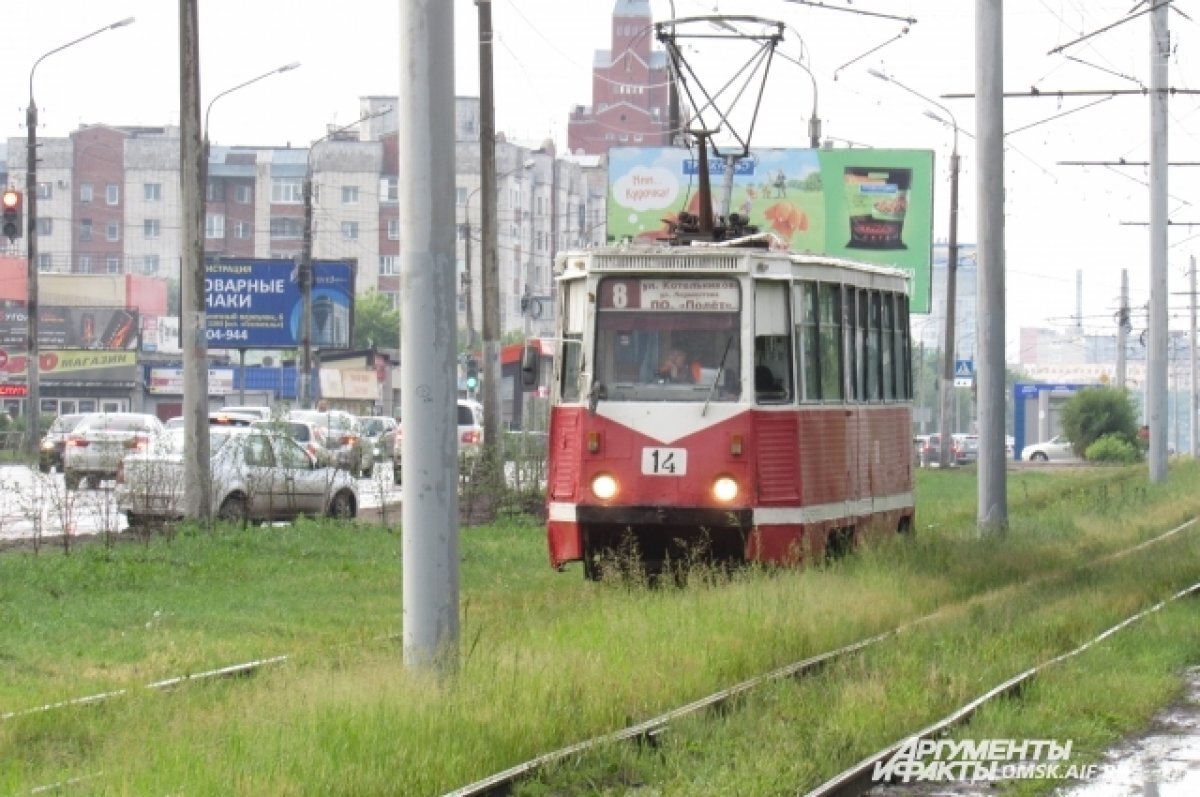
[(857, 779), (501, 782)]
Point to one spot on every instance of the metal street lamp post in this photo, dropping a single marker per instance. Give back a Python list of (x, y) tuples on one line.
[(33, 401), (204, 188), (951, 270), (304, 274)]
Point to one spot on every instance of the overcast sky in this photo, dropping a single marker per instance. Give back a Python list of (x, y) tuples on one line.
[(1058, 218)]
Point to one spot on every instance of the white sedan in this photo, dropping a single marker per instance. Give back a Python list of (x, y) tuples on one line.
[(255, 476), (1056, 449)]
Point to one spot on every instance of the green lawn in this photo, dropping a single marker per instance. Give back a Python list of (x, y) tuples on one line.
[(547, 659)]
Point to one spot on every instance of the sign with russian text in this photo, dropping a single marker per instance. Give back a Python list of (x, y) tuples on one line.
[(869, 205), (62, 327), (170, 380), (257, 304), (670, 295)]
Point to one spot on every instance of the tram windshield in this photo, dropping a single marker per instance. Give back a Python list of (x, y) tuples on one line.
[(668, 339)]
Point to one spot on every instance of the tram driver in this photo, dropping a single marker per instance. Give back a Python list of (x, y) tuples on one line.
[(678, 368)]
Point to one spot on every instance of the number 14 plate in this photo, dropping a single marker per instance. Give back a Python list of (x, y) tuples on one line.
[(664, 461)]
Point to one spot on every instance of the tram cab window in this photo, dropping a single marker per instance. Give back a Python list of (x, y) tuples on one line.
[(672, 339)]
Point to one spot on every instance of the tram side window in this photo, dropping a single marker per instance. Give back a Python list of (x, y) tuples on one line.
[(810, 352), (829, 331), (903, 350), (574, 304), (872, 332), (850, 315), (887, 348), (772, 344)]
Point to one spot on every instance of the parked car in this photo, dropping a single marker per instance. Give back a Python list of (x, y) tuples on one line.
[(256, 475), (259, 412), (931, 452), (966, 448), (309, 435), (96, 446), (50, 453), (380, 431), (343, 438), (470, 435), (1056, 449)]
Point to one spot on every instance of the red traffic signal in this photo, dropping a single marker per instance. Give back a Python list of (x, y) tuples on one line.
[(10, 205)]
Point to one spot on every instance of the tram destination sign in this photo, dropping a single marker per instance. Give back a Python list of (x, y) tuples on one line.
[(670, 295)]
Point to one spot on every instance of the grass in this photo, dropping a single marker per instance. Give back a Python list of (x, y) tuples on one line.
[(547, 659)]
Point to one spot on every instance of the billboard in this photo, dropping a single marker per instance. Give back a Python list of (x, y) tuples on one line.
[(872, 205), (59, 327), (256, 303)]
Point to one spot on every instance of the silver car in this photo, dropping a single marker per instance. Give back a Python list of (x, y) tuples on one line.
[(256, 475), (343, 437), (1056, 449), (96, 446)]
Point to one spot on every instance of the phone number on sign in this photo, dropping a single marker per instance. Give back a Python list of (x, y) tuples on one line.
[(228, 335)]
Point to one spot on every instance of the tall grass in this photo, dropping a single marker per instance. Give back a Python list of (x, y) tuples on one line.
[(546, 658)]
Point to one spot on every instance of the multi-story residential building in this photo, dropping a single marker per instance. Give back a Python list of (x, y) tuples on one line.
[(630, 89), (109, 202)]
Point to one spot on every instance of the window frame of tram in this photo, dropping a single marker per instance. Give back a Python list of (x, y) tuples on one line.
[(773, 343), (574, 317), (851, 344)]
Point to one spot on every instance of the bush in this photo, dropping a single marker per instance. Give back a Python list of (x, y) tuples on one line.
[(1096, 412), (1113, 448)]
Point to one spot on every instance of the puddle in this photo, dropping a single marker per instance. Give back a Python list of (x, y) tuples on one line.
[(1163, 762)]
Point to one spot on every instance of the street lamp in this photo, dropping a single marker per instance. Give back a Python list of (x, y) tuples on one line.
[(204, 192), (814, 121), (468, 278), (33, 402), (208, 108), (304, 274), (951, 268)]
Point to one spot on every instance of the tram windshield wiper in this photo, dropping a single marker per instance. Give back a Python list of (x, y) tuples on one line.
[(597, 392), (717, 379)]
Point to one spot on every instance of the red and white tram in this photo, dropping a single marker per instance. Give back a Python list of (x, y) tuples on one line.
[(788, 431)]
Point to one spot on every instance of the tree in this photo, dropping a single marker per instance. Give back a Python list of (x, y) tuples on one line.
[(1098, 411), (375, 322)]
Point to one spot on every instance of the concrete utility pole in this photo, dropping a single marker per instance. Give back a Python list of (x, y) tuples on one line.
[(992, 508), (490, 269), (428, 328), (1194, 403), (1123, 329), (1156, 363), (196, 470)]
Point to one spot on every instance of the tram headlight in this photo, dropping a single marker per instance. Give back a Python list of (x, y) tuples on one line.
[(604, 486), (725, 489)]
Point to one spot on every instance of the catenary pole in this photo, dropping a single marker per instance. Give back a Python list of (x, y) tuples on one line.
[(428, 324), (1156, 364), (490, 268), (1123, 329), (992, 507), (196, 473), (1194, 409)]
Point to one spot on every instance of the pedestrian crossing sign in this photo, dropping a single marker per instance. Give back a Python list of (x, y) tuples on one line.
[(964, 373)]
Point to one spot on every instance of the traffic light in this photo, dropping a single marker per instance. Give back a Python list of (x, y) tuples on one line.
[(12, 223), (472, 373)]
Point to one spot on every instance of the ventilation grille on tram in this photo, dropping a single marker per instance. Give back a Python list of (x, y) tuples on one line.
[(660, 263)]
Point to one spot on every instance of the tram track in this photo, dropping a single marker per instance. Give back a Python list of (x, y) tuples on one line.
[(503, 782), (647, 731), (858, 778)]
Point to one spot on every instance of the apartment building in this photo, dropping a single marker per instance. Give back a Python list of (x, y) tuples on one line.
[(110, 203)]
